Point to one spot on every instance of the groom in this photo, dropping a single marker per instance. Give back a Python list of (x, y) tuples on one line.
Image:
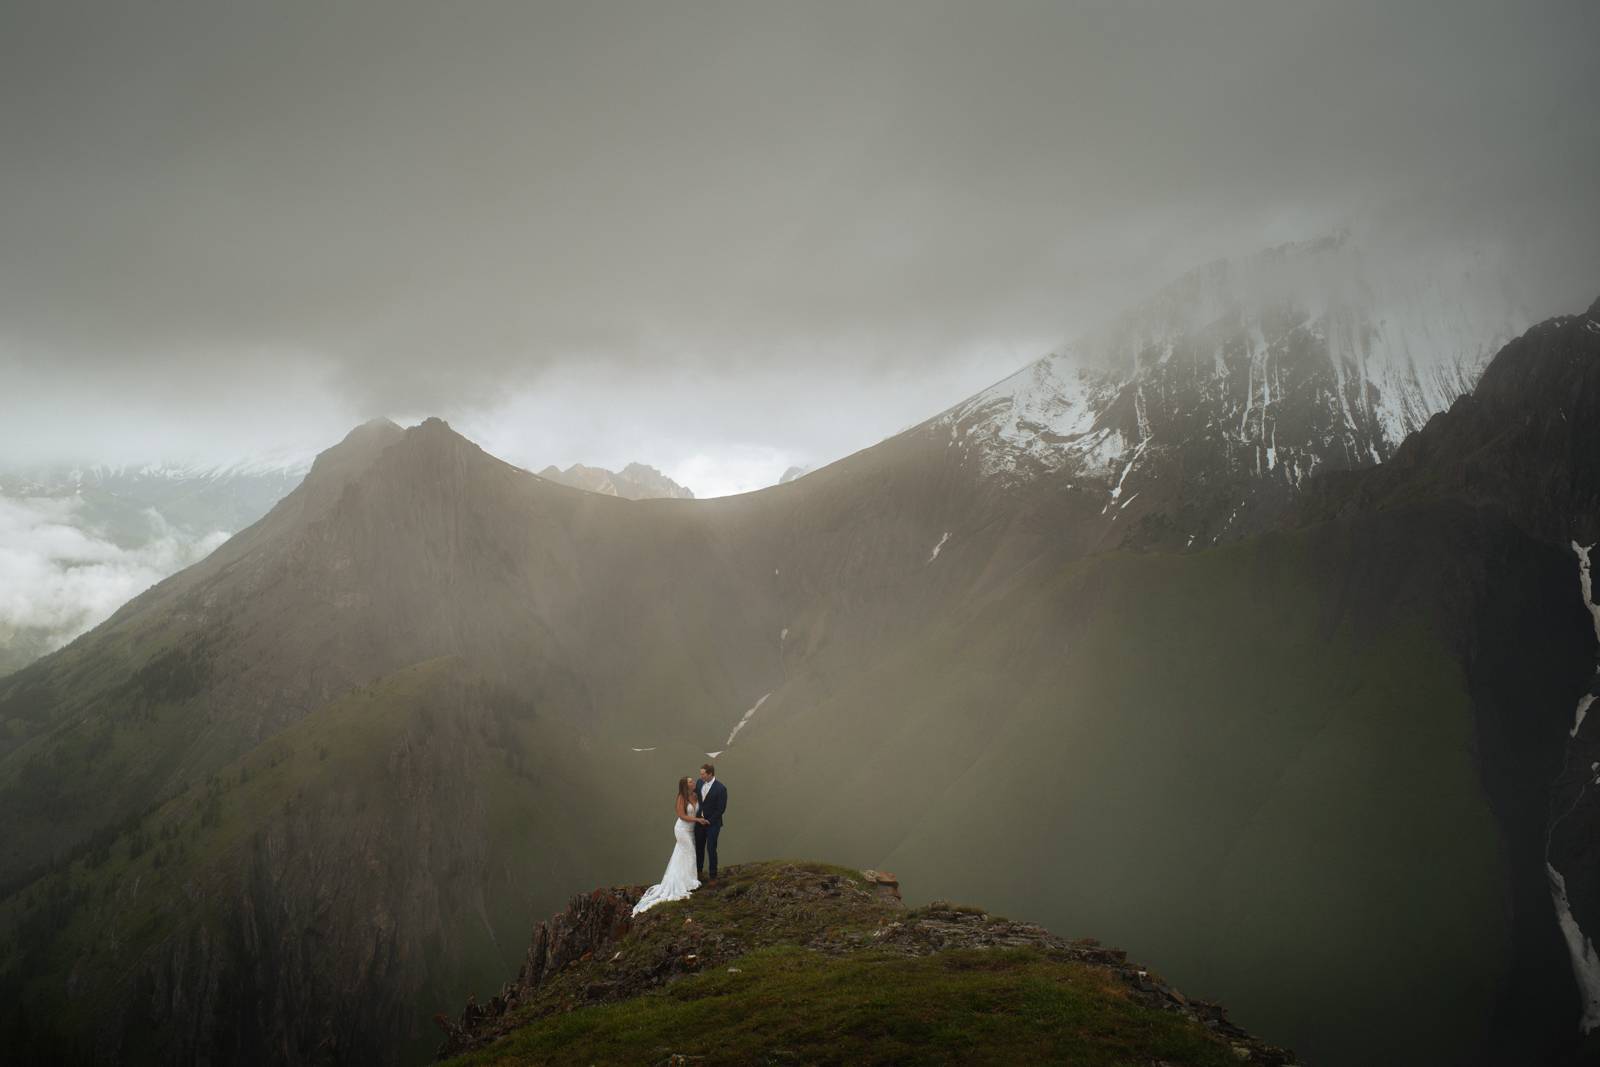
[(713, 798)]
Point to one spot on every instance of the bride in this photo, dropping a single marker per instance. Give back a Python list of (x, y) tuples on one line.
[(680, 880)]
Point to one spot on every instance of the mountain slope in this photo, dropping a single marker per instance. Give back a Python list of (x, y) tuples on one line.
[(568, 621), (477, 684), (1380, 696)]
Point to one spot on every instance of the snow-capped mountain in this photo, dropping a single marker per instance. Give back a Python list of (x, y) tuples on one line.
[(1223, 392), (227, 495)]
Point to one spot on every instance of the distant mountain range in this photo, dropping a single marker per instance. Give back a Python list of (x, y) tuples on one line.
[(80, 539), (1146, 649), (636, 481), (113, 499)]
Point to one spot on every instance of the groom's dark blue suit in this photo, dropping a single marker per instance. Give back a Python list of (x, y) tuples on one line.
[(713, 802)]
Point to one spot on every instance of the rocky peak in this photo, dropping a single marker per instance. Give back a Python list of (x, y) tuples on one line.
[(354, 451), (336, 467)]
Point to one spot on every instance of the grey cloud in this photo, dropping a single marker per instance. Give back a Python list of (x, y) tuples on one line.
[(426, 207)]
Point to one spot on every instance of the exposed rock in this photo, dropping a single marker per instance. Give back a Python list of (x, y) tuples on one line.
[(887, 884)]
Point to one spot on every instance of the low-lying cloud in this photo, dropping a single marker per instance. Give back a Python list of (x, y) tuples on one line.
[(59, 576)]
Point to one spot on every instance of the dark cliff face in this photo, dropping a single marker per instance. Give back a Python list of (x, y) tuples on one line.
[(1521, 454)]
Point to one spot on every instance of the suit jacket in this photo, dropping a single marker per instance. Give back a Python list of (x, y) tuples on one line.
[(714, 803)]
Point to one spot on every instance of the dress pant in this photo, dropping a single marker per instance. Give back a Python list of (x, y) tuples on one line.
[(705, 844)]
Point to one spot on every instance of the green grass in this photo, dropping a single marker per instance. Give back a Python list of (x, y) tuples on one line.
[(755, 906), (789, 1004)]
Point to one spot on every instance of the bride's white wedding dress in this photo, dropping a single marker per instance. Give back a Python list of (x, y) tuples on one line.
[(679, 881)]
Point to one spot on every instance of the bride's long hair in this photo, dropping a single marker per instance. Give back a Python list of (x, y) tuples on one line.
[(686, 790)]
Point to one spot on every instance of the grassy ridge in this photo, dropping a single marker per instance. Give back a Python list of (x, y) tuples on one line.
[(801, 962), (788, 1004)]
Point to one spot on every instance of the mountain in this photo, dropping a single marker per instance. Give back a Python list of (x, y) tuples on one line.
[(812, 963), (636, 481), (293, 799), (402, 661), (228, 496), (1199, 414), (791, 473), (82, 539)]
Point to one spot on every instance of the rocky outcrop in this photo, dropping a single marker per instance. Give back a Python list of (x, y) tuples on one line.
[(590, 925), (596, 952)]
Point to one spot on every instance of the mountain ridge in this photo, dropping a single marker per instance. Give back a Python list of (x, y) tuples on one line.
[(636, 481)]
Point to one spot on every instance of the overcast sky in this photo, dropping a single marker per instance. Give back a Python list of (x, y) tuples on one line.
[(716, 238)]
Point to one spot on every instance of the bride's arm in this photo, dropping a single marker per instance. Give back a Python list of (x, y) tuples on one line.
[(683, 812)]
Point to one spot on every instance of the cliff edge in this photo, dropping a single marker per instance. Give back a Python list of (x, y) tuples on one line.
[(787, 962)]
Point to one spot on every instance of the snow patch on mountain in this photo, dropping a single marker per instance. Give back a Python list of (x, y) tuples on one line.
[(1043, 415), (1586, 585), (1585, 961), (740, 725), (1122, 480), (1586, 589), (1302, 357)]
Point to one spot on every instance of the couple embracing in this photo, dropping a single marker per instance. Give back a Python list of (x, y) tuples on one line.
[(700, 805)]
